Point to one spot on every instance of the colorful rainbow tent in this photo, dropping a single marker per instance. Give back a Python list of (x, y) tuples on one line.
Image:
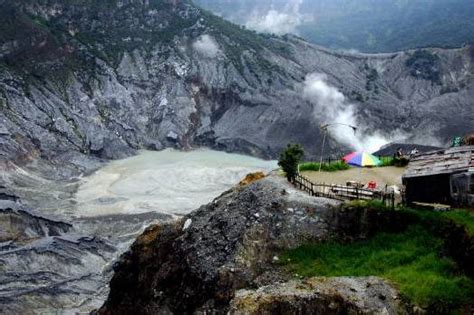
[(362, 159)]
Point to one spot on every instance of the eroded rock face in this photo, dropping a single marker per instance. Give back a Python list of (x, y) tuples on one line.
[(17, 224), (106, 78), (198, 263), (49, 259)]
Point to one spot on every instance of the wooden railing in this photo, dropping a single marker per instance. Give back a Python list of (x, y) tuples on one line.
[(341, 192)]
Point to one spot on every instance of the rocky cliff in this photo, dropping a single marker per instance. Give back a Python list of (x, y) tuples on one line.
[(105, 78), (214, 259)]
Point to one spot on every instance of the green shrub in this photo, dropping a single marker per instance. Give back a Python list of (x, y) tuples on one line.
[(373, 75), (326, 167), (401, 162), (387, 161), (367, 204), (425, 65), (289, 160), (461, 217), (340, 165)]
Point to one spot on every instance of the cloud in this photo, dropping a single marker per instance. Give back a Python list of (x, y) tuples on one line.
[(331, 106), (276, 22), (206, 46)]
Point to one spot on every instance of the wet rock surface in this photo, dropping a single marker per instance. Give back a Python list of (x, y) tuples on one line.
[(49, 259), (198, 263), (17, 224)]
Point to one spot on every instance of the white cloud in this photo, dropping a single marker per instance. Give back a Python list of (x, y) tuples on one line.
[(206, 46), (331, 105), (276, 22)]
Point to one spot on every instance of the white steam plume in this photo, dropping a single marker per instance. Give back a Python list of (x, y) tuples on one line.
[(276, 22), (332, 106), (206, 46)]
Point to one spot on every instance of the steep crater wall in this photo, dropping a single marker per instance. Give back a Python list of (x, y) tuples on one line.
[(67, 85)]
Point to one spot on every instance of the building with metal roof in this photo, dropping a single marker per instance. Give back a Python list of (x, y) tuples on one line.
[(442, 176)]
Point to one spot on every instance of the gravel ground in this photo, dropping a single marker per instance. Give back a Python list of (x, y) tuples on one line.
[(381, 175)]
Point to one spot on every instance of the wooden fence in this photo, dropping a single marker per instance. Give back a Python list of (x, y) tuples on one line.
[(341, 192)]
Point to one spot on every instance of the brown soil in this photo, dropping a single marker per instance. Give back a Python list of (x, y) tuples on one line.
[(389, 175), (252, 177)]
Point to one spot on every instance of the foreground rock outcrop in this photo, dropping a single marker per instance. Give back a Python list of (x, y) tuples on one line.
[(198, 263), (344, 295)]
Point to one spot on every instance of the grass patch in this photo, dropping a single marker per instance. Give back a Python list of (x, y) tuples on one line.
[(410, 260), (341, 165), (367, 204), (387, 161), (326, 167), (461, 217)]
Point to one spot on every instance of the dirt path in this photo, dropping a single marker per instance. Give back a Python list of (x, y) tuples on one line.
[(381, 175)]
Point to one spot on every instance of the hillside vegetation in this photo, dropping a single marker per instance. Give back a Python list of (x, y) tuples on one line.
[(366, 25), (73, 71)]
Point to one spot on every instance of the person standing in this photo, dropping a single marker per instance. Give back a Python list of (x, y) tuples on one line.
[(414, 152)]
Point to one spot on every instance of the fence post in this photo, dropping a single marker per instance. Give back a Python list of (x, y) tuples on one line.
[(384, 195)]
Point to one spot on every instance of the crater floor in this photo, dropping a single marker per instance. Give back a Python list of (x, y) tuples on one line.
[(61, 240)]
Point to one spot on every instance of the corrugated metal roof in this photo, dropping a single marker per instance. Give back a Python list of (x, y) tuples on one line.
[(452, 160)]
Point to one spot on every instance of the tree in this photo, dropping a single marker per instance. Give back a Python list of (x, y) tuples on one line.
[(289, 160)]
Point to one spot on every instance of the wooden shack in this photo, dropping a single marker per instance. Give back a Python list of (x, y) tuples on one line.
[(442, 176)]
